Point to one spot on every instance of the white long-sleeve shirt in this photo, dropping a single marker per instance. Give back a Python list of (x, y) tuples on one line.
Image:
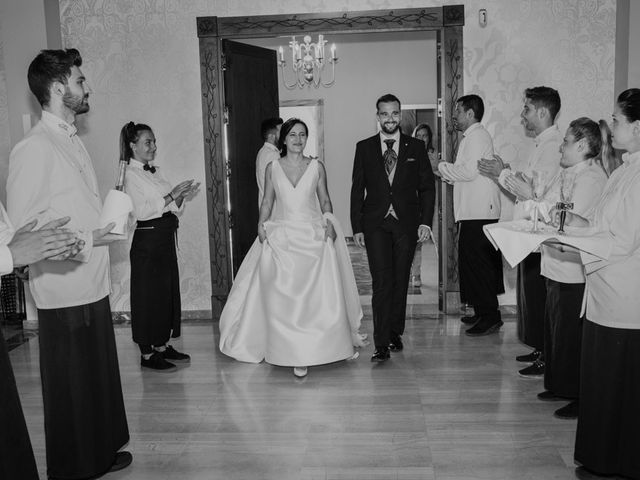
[(566, 267), (51, 176), (475, 197), (545, 158), (266, 155), (613, 285), (147, 191), (6, 234)]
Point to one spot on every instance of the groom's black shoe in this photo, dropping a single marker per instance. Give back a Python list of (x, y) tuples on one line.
[(396, 344), (381, 355)]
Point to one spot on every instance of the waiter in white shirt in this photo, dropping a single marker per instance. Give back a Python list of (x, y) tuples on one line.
[(476, 202), (270, 131), (541, 107), (51, 175), (18, 249)]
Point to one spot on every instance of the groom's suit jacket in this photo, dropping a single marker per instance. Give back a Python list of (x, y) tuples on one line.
[(412, 191)]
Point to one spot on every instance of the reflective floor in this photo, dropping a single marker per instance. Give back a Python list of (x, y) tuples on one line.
[(447, 407)]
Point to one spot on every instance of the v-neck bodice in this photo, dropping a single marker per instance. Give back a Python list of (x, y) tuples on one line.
[(299, 202)]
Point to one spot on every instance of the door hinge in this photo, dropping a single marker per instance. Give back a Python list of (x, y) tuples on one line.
[(231, 224), (439, 51), (224, 65), (225, 115), (439, 107), (227, 168)]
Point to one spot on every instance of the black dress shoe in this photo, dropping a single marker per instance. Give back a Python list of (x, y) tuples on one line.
[(381, 355), (172, 354), (568, 412), (123, 460), (484, 327), (548, 396), (535, 370), (396, 344), (529, 357), (157, 362), (469, 319), (584, 473)]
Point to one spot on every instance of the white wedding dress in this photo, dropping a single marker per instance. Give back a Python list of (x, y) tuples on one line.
[(294, 301)]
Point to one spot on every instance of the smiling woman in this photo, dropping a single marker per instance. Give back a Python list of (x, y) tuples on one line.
[(294, 301), (155, 285)]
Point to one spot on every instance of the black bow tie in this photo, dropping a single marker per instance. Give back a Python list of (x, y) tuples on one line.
[(149, 168)]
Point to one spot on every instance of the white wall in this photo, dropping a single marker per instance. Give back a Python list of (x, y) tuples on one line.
[(634, 44), (369, 65)]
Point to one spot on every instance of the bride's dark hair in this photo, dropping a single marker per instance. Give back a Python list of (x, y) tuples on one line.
[(284, 131)]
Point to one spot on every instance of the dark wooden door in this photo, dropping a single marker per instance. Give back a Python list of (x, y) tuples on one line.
[(251, 95)]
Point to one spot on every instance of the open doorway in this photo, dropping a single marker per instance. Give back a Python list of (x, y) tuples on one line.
[(444, 24)]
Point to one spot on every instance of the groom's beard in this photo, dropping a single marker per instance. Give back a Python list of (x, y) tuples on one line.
[(390, 127)]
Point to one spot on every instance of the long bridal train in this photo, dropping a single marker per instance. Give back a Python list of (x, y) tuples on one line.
[(294, 301)]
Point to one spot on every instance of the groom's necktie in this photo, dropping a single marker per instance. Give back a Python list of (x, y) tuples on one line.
[(390, 156)]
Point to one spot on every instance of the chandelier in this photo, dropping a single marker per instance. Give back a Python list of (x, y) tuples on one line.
[(308, 61)]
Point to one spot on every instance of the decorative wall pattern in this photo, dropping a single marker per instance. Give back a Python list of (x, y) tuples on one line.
[(5, 142), (141, 57)]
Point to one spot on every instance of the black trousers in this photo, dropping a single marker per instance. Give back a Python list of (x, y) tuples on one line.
[(155, 282), (84, 417), (16, 454), (609, 418), (563, 338), (479, 268), (531, 293), (390, 250)]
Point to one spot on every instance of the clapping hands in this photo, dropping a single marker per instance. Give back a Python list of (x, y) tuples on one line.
[(51, 242), (520, 185), (184, 189), (491, 167)]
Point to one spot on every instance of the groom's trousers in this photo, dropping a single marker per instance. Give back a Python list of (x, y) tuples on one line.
[(390, 250)]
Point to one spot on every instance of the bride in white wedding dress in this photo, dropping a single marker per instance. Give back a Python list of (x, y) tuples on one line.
[(294, 301)]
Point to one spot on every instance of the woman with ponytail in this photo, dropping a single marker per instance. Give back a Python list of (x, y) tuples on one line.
[(583, 155), (609, 417), (155, 288)]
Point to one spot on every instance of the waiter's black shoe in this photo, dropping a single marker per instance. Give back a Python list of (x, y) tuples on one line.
[(529, 357), (123, 460), (485, 326), (396, 344), (381, 355), (172, 354), (535, 370), (568, 412), (548, 396), (158, 363), (469, 319)]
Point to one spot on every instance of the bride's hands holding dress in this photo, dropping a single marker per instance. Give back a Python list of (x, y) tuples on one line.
[(329, 231)]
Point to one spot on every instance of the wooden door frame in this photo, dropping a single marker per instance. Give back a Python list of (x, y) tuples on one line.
[(447, 21)]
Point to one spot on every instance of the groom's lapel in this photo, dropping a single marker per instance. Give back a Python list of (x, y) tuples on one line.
[(402, 157)]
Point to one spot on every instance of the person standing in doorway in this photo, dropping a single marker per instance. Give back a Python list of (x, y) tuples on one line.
[(270, 131), (392, 200), (476, 203)]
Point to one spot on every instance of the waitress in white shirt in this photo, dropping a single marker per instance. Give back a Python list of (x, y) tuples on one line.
[(609, 417), (585, 163), (155, 286)]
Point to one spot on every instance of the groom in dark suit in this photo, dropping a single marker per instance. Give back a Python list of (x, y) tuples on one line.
[(392, 199)]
